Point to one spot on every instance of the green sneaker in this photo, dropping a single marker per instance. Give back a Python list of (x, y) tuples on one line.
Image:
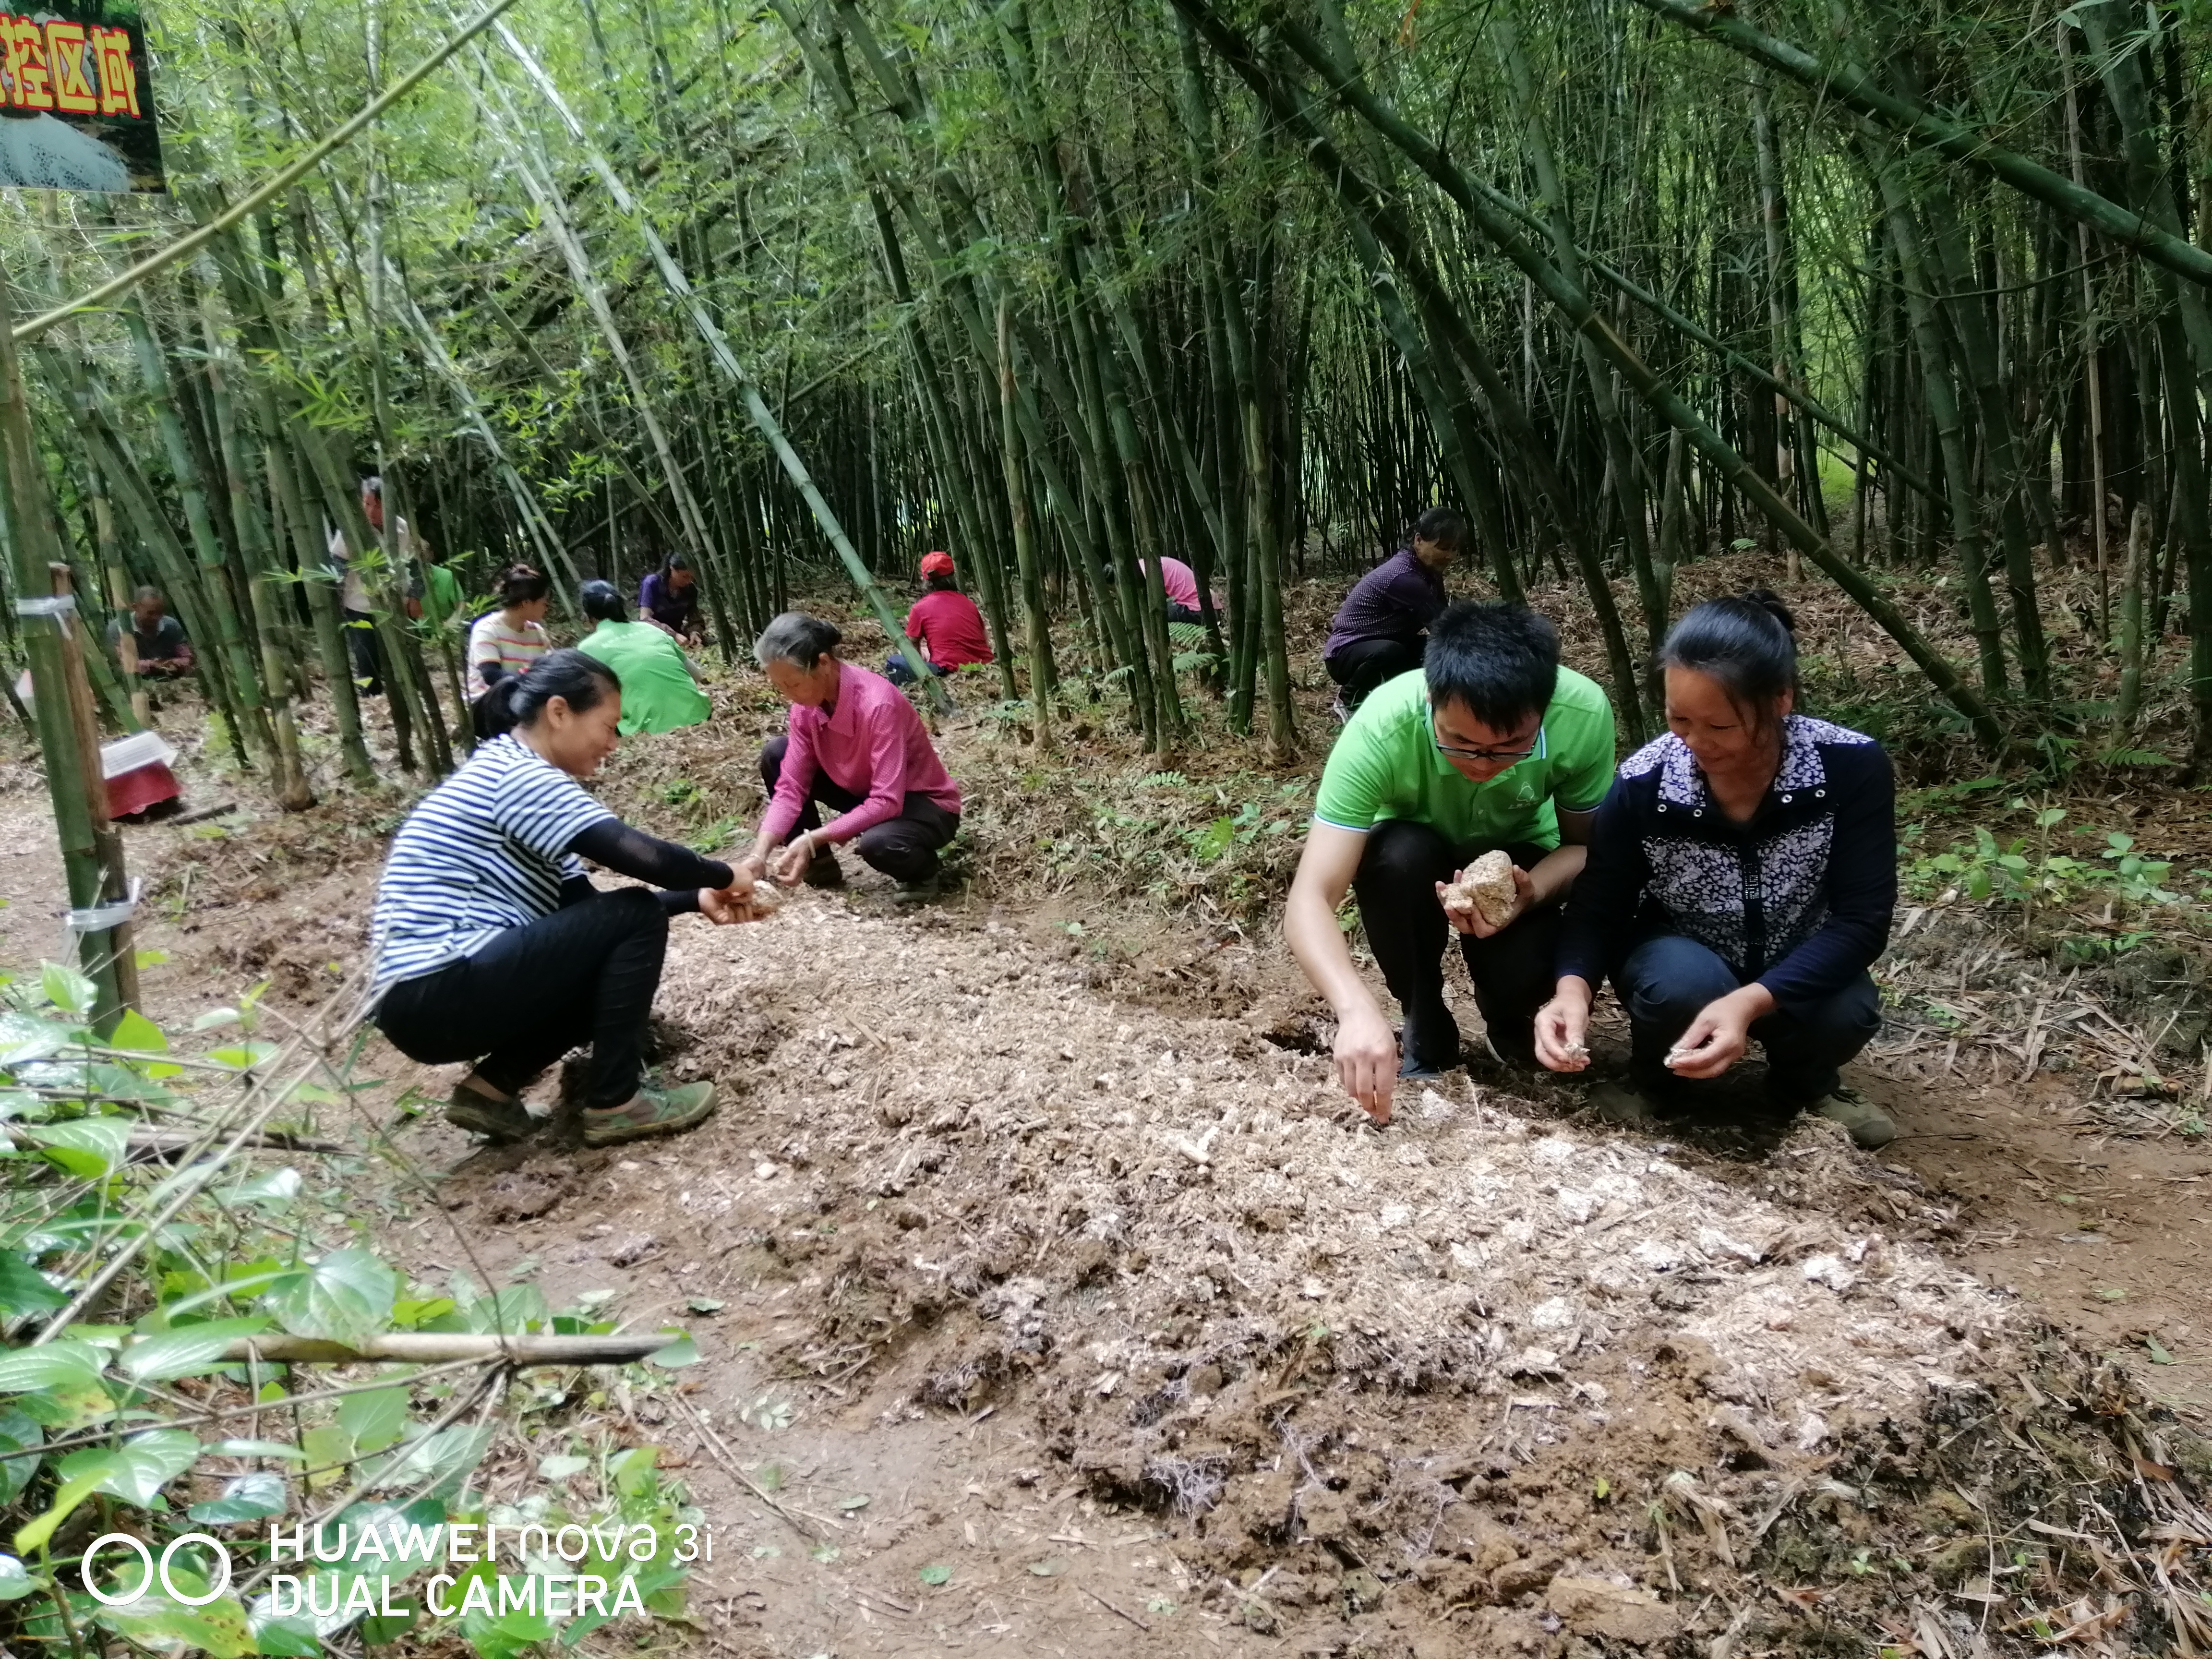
[(499, 1119), (916, 892), (1623, 1107), (651, 1111), (1869, 1126)]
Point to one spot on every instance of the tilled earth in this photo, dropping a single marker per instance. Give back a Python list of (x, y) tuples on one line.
[(1128, 1320)]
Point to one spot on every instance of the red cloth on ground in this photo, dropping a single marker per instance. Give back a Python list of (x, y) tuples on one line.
[(950, 628)]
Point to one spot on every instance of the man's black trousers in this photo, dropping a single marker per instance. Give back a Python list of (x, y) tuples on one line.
[(1514, 971)]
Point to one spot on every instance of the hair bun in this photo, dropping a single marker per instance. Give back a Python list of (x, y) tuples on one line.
[(1771, 602)]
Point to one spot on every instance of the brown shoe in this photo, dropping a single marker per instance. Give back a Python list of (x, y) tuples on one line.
[(498, 1118)]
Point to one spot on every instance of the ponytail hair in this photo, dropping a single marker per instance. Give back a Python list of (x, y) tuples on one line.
[(518, 584), (581, 681), (1748, 642)]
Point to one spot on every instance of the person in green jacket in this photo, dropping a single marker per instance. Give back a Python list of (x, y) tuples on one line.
[(660, 690)]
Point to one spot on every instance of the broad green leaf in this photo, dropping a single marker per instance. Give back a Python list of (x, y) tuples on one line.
[(439, 1463), (66, 989), (256, 1448), (23, 1288), (289, 1636), (680, 1352), (513, 1309), (66, 1364), (19, 1432), (560, 1466), (218, 1629), (214, 1016), (934, 1575), (245, 1055), (343, 1298), (502, 1639), (188, 1351), (375, 1419), (15, 1581), (329, 1448), (135, 1032), (33, 1534), (137, 1469), (25, 1037), (89, 1148), (245, 1497), (266, 1187)]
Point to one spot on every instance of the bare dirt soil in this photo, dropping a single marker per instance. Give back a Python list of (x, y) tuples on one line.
[(1053, 1302)]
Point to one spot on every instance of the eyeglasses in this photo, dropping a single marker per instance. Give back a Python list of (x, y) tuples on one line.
[(1509, 756)]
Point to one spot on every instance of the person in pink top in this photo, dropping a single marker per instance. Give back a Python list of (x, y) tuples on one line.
[(1180, 582), (855, 745)]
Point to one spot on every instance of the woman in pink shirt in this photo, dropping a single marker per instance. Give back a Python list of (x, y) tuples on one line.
[(854, 744)]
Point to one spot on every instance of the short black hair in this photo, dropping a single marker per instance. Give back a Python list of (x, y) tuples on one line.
[(1498, 659), (1747, 641), (603, 602), (1442, 526)]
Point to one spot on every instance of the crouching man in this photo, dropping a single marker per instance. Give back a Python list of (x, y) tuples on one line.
[(1490, 746)]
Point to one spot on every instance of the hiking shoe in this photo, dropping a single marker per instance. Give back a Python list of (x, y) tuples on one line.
[(916, 892), (498, 1119), (825, 871), (651, 1111), (1625, 1108), (1428, 1047), (1869, 1126)]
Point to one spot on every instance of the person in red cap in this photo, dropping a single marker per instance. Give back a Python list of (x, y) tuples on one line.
[(945, 622)]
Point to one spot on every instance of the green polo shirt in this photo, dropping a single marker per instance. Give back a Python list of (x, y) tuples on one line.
[(1386, 764)]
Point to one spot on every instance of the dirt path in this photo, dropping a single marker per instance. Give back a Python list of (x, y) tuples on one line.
[(1122, 1316)]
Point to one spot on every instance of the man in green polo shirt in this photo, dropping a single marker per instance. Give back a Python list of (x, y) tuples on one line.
[(1489, 744)]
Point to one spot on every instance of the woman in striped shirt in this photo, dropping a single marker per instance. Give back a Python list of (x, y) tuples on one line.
[(493, 946), (506, 641)]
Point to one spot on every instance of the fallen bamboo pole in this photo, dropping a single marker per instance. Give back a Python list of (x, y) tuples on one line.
[(431, 1347)]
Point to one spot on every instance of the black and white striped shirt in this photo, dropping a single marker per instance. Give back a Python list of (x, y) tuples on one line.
[(485, 851)]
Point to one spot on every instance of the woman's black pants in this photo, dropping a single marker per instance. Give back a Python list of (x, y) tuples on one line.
[(534, 992), (1667, 982), (1364, 664), (904, 848)]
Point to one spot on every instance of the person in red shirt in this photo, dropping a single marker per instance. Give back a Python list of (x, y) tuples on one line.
[(945, 622)]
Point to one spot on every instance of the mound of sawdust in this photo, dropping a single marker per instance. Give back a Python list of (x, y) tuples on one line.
[(1127, 1200)]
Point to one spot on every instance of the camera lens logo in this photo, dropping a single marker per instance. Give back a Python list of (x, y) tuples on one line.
[(146, 1561)]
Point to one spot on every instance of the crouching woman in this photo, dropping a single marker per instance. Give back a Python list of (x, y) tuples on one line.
[(1740, 878), (492, 945)]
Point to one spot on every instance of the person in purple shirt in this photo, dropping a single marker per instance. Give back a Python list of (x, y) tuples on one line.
[(669, 596), (1382, 629)]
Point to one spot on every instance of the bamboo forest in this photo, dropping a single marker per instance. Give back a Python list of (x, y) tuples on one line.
[(1106, 827)]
